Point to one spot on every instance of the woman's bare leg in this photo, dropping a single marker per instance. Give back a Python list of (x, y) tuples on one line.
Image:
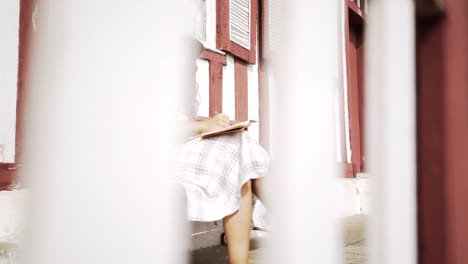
[(237, 228), (258, 189)]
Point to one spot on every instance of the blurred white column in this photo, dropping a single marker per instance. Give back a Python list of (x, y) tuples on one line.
[(304, 172), (100, 131), (390, 105)]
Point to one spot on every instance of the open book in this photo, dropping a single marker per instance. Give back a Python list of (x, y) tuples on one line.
[(227, 130)]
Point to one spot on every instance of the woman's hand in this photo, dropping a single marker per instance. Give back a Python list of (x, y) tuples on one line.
[(216, 122), (193, 128)]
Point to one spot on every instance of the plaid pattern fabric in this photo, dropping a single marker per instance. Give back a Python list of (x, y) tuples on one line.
[(213, 170)]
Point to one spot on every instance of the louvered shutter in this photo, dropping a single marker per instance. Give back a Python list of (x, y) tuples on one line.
[(236, 28), (239, 22)]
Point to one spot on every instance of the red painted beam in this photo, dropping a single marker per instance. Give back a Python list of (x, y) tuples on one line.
[(442, 143), (25, 34), (213, 56), (355, 78), (216, 61), (358, 11), (7, 175), (425, 8), (241, 94), (216, 88)]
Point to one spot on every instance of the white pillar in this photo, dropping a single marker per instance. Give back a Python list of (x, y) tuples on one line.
[(101, 115), (305, 192), (390, 104)]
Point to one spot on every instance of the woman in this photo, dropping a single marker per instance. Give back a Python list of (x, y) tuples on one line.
[(219, 175)]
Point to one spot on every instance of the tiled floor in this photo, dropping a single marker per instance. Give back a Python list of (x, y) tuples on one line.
[(354, 254), (354, 251), (7, 253)]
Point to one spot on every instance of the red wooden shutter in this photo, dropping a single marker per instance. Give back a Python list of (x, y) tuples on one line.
[(236, 28)]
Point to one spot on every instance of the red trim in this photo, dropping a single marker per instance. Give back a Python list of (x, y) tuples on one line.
[(216, 80), (263, 87), (349, 170), (223, 41), (442, 145), (253, 32), (240, 76), (222, 24), (363, 7), (428, 8), (25, 33), (361, 97), (355, 79), (430, 147), (357, 10), (213, 56), (7, 175), (216, 88)]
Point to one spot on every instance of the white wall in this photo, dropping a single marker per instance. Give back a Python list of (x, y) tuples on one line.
[(253, 101), (344, 102), (211, 23), (203, 82), (9, 30), (274, 111), (13, 205)]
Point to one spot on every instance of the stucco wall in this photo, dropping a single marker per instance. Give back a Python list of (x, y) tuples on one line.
[(13, 206), (253, 103), (203, 82)]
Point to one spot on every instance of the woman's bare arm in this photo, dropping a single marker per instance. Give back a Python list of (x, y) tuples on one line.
[(193, 128)]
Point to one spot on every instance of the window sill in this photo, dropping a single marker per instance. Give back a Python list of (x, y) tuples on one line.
[(209, 47)]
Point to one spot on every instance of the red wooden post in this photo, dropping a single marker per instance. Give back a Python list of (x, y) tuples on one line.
[(7, 175), (216, 80), (429, 7), (216, 88), (361, 94), (240, 76), (442, 111), (354, 35)]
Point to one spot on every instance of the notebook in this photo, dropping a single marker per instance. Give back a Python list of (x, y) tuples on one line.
[(228, 130)]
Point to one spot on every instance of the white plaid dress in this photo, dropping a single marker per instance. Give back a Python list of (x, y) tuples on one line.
[(213, 170)]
